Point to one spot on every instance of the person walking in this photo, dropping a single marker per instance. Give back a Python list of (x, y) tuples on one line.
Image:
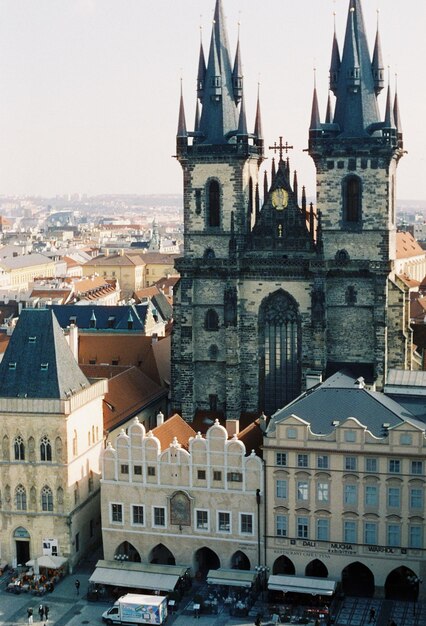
[(372, 615), (41, 612), (77, 586), (30, 615), (46, 613)]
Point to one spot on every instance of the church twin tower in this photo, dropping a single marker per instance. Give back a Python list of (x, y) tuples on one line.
[(274, 296)]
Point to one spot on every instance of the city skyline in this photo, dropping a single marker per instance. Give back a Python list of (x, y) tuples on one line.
[(90, 89)]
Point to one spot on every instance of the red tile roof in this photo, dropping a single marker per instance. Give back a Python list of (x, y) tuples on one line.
[(407, 246), (173, 427)]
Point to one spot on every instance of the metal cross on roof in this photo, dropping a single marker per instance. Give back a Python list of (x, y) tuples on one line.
[(281, 147)]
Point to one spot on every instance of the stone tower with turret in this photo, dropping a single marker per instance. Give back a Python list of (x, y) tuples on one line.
[(274, 294)]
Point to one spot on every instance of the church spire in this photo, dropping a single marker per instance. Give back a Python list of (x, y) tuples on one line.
[(356, 100), (389, 116), (377, 63), (219, 115)]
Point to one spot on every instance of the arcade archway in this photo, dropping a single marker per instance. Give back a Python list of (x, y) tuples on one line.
[(127, 552), (402, 584), (205, 559), (283, 565), (358, 580), (317, 569), (162, 555), (240, 561)]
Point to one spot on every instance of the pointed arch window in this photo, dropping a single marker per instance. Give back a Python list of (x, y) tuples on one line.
[(211, 321), (352, 200), (21, 498), (46, 499), (279, 351), (213, 208), (19, 449), (45, 449)]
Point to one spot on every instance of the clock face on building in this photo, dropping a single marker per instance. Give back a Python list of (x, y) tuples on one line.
[(279, 198)]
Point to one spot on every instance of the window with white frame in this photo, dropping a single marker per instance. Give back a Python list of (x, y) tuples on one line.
[(394, 497), (138, 515), (281, 458), (246, 523), (370, 533), (394, 535), (371, 465), (350, 436), (281, 488), (224, 522), (302, 527), (302, 460), (323, 529), (350, 496), (302, 490), (394, 466), (159, 516), (416, 498), (349, 531), (371, 495), (116, 513), (202, 519), (291, 433), (322, 461), (416, 467), (323, 492), (415, 536), (281, 525), (350, 463)]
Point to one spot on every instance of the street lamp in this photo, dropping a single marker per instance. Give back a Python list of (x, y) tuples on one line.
[(262, 572), (414, 581)]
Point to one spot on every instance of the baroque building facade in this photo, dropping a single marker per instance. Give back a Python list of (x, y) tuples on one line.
[(270, 292)]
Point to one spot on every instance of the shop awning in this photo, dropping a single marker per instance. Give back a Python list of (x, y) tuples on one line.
[(302, 584), (48, 561), (231, 577), (137, 575)]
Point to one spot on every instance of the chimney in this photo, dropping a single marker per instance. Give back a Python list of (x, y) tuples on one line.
[(313, 379), (73, 340), (232, 427), (160, 418), (262, 422)]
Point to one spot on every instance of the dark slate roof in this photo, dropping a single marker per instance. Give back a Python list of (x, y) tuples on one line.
[(341, 397), (356, 109), (219, 115), (110, 318), (163, 306), (38, 362)]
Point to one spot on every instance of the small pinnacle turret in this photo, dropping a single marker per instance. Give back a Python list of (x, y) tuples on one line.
[(237, 75), (335, 64), (377, 64)]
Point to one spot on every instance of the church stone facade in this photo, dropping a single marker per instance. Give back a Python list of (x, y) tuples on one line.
[(274, 292)]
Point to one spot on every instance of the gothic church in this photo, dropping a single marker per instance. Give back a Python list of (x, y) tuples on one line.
[(275, 294)]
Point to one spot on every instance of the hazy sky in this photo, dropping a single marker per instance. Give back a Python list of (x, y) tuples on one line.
[(89, 89)]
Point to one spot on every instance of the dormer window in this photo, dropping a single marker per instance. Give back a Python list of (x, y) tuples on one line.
[(44, 367), (12, 366), (32, 339)]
